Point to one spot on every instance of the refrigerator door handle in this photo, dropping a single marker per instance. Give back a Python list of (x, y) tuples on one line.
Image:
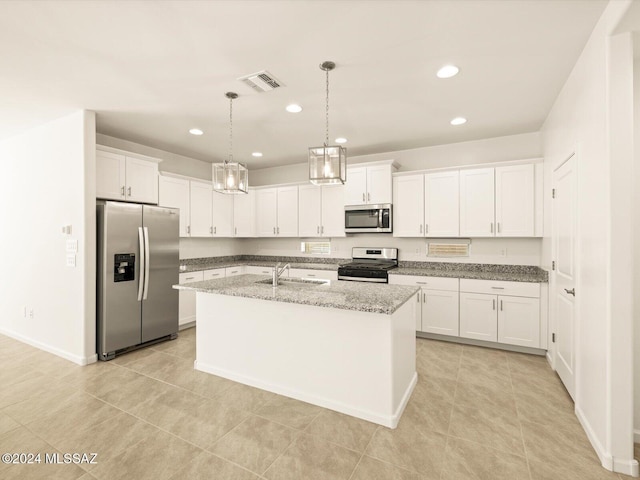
[(146, 263), (141, 263)]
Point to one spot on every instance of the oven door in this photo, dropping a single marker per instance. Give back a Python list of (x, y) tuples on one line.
[(368, 219)]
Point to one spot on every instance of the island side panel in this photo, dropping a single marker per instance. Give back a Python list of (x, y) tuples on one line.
[(338, 359), (403, 354)]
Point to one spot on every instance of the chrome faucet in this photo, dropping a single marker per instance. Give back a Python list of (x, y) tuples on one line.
[(277, 272)]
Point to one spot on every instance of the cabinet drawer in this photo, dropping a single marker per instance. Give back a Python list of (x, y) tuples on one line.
[(308, 273), (213, 274), (432, 283), (258, 270), (496, 287), (191, 277), (231, 271)]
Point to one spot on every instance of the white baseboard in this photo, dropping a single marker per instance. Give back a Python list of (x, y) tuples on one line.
[(387, 420), (50, 349), (627, 467)]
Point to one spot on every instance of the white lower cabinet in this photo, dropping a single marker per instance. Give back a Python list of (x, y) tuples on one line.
[(312, 274), (503, 312), (187, 298), (438, 298), (478, 316)]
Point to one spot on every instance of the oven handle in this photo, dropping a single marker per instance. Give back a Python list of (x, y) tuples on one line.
[(364, 279)]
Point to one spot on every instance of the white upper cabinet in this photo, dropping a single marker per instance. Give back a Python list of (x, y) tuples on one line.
[(367, 185), (123, 177), (408, 206), (309, 210), (515, 201), (110, 175), (174, 192), (332, 216), (201, 206), (321, 211), (442, 204), (266, 212), (477, 203), (277, 212), (222, 214), (244, 214), (287, 212)]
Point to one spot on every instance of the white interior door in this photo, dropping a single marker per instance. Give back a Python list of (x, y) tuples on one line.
[(563, 294)]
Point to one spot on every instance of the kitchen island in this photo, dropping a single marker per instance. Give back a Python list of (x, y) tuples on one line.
[(346, 346)]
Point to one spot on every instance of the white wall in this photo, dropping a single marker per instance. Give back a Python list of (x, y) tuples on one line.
[(210, 247), (48, 181), (499, 149), (519, 251), (580, 122), (636, 246)]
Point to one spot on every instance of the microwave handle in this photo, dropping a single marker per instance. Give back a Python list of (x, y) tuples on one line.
[(380, 217)]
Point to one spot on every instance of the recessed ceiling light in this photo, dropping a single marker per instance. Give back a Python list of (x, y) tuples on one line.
[(294, 108), (341, 140), (196, 131), (257, 154), (448, 71), (458, 121)]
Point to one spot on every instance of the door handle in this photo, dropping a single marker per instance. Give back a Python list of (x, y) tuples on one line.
[(122, 190), (571, 292), (426, 228), (368, 197), (129, 191), (215, 230), (274, 230), (318, 229), (491, 227), (363, 198), (420, 228), (189, 229), (278, 230), (498, 227), (146, 263), (210, 229), (322, 229), (494, 304), (140, 263), (500, 305)]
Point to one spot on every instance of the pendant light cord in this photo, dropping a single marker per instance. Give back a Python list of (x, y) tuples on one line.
[(230, 130), (326, 138)]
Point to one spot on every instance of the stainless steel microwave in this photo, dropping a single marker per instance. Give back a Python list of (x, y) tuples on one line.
[(368, 218)]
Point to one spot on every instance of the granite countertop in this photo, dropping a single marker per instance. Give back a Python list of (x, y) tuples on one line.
[(540, 276), (358, 296), (479, 271)]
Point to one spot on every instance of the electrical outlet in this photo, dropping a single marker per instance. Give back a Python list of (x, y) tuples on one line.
[(31, 313), (417, 250), (503, 252)]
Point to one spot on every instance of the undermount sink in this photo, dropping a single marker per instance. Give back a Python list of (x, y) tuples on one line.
[(295, 282)]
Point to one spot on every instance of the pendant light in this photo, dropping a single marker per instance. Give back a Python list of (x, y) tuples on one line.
[(230, 176), (328, 163)]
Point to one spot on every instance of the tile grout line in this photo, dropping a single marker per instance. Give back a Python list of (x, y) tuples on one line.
[(453, 406)]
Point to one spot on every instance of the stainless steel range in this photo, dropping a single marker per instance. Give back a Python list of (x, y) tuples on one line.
[(369, 265)]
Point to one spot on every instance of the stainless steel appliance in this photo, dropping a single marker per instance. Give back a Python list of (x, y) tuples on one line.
[(138, 263), (369, 265), (368, 218)]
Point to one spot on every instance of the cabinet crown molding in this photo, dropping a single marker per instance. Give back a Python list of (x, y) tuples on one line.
[(506, 163), (126, 153)]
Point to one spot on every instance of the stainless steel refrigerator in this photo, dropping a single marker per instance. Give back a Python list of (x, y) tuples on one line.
[(138, 263)]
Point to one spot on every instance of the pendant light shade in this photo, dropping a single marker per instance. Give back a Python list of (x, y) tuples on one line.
[(328, 163), (229, 176)]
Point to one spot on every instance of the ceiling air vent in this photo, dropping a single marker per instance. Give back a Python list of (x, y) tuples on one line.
[(262, 81)]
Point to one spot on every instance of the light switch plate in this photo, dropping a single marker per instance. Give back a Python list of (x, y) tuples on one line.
[(71, 260), (72, 245)]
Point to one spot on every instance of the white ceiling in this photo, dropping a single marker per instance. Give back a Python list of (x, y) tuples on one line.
[(153, 69)]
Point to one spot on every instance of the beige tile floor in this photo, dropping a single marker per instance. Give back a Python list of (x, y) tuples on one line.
[(476, 413)]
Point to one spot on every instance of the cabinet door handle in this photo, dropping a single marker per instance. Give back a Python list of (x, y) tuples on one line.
[(418, 298), (497, 288), (215, 230), (278, 230), (322, 229), (491, 227), (498, 227), (426, 228), (122, 190), (310, 275), (424, 297), (423, 283), (420, 228), (368, 197), (500, 305), (189, 229), (129, 191), (363, 198), (235, 230), (190, 278), (571, 292), (210, 229), (274, 230), (494, 304), (318, 229)]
